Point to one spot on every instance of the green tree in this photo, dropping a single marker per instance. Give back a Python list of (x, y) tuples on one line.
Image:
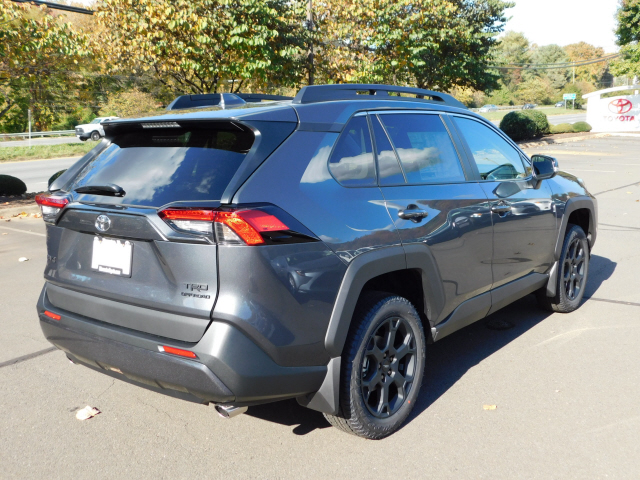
[(535, 90), (207, 45), (549, 54), (628, 33), (39, 58), (512, 49), (132, 103), (584, 51)]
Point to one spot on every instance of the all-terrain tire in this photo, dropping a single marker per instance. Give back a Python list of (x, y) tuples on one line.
[(573, 269), (371, 335)]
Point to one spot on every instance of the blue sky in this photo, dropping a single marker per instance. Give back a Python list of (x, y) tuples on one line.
[(565, 21)]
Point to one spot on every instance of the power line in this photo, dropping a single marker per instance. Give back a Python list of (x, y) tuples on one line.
[(545, 66), (58, 6)]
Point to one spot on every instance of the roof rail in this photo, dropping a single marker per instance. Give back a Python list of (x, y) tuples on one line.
[(221, 100), (356, 91)]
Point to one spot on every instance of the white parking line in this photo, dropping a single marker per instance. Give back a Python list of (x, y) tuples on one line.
[(23, 231)]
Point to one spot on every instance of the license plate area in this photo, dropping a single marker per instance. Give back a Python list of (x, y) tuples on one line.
[(112, 256)]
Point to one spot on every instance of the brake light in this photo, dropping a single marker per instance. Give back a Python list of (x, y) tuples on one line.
[(231, 227), (177, 351), (49, 314), (51, 205)]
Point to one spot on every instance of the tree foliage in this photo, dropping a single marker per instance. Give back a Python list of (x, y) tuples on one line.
[(628, 34), (132, 103)]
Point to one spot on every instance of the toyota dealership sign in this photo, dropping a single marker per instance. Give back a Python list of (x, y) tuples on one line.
[(614, 114)]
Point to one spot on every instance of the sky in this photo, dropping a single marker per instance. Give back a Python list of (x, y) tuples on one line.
[(565, 21)]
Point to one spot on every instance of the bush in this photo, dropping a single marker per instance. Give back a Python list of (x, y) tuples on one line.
[(562, 128), (524, 124), (581, 127), (54, 176), (11, 185)]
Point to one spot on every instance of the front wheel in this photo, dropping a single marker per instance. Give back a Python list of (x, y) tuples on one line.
[(95, 136), (573, 268), (382, 367)]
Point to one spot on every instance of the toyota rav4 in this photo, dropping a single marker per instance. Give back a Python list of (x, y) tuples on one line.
[(310, 248)]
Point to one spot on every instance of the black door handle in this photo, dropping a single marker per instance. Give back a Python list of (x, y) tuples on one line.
[(501, 208), (413, 213)]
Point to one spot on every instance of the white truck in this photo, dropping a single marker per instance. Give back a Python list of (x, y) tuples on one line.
[(92, 130)]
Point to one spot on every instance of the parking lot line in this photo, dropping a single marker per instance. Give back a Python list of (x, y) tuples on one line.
[(23, 231), (29, 356)]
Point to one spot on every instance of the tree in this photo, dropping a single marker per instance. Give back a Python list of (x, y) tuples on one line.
[(39, 58), (628, 34), (583, 51), (512, 49), (535, 90), (132, 103), (427, 43), (549, 54), (204, 46)]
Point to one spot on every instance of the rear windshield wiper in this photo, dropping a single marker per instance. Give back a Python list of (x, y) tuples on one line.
[(110, 190)]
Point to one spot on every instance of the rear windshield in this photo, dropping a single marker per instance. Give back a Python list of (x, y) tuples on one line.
[(156, 166)]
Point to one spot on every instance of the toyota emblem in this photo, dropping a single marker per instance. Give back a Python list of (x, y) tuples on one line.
[(620, 106), (103, 223)]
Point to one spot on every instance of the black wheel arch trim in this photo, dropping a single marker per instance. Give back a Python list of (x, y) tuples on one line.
[(573, 204)]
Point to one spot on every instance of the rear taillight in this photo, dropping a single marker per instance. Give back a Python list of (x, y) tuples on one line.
[(51, 205), (232, 227)]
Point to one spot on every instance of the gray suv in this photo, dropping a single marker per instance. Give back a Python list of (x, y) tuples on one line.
[(310, 248)]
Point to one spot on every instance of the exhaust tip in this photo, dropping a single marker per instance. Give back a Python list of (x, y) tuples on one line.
[(229, 411)]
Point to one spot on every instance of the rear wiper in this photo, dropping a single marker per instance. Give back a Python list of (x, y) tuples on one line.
[(110, 190)]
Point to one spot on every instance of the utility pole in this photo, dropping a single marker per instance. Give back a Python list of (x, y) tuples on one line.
[(574, 74), (29, 115), (310, 27)]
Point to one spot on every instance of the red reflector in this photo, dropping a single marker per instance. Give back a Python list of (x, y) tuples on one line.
[(49, 314), (178, 351), (46, 200), (262, 222), (187, 214)]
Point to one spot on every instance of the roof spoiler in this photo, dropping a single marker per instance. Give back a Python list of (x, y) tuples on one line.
[(222, 100)]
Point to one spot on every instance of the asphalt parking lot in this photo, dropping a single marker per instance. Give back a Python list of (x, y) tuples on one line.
[(566, 387)]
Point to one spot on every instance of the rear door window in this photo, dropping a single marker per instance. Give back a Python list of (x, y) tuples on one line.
[(156, 166), (425, 148), (351, 162)]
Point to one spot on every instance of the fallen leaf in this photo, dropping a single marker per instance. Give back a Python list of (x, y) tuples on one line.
[(87, 413), (489, 407), (5, 234), (23, 259)]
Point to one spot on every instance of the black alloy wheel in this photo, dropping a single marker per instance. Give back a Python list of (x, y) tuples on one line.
[(388, 367), (574, 269), (382, 366)]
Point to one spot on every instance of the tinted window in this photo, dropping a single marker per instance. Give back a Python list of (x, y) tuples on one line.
[(425, 149), (389, 172), (495, 158), (351, 162), (156, 166)]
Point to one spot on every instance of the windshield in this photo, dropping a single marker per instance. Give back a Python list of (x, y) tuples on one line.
[(157, 166), (96, 120)]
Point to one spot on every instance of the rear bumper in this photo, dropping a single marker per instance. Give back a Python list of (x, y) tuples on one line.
[(230, 368)]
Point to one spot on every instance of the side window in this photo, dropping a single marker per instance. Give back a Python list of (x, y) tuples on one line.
[(425, 149), (351, 162), (495, 158), (389, 171)]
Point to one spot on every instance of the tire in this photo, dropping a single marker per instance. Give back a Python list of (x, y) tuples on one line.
[(83, 139), (382, 326), (95, 136), (573, 269)]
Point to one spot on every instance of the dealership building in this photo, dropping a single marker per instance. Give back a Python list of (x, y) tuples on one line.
[(614, 113)]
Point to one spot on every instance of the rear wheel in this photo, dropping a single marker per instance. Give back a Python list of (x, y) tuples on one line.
[(573, 268), (95, 136), (382, 367)]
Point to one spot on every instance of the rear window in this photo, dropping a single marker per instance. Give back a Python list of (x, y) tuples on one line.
[(156, 166)]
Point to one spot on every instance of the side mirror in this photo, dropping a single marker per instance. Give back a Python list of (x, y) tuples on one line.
[(544, 167)]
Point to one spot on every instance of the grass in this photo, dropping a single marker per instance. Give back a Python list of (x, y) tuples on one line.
[(546, 110), (38, 152)]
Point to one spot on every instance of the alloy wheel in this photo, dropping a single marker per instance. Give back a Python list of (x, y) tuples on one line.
[(574, 269)]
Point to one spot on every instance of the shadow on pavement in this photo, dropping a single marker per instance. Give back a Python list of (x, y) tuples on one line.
[(600, 270), (289, 413)]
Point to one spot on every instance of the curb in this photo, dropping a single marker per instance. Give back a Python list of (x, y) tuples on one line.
[(9, 211), (551, 141)]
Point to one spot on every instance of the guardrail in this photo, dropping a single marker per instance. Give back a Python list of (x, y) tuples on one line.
[(57, 133)]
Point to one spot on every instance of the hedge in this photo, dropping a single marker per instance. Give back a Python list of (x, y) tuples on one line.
[(524, 124), (11, 185)]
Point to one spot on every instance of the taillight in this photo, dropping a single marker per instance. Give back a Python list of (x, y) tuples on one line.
[(51, 205), (232, 227)]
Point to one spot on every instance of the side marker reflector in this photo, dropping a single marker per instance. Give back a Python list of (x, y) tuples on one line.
[(177, 351), (49, 314)]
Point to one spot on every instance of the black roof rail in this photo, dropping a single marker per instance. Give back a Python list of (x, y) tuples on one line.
[(221, 99), (351, 91), (258, 97)]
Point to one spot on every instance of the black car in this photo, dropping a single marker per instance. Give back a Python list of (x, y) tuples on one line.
[(312, 248)]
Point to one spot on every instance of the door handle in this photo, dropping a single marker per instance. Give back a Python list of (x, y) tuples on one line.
[(501, 208), (413, 213)]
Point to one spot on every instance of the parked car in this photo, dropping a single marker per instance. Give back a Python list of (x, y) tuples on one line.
[(92, 130), (308, 249), (560, 104), (488, 108), (529, 106)]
